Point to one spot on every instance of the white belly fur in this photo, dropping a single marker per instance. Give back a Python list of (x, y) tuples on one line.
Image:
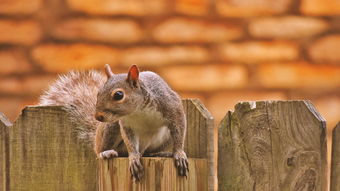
[(149, 127)]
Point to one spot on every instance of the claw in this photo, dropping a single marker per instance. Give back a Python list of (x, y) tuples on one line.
[(181, 162), (177, 162), (185, 164), (136, 168)]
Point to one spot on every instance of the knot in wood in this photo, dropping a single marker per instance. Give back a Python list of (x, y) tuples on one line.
[(290, 161)]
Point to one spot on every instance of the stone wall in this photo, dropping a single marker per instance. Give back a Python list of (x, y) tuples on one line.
[(221, 51)]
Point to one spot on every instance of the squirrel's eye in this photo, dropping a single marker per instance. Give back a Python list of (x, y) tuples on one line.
[(118, 95)]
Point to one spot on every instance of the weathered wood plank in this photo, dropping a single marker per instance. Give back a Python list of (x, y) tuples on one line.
[(160, 174), (46, 155), (274, 145), (200, 135), (4, 150), (335, 168), (199, 127)]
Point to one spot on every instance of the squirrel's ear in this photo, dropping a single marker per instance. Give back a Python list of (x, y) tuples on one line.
[(133, 75), (108, 71)]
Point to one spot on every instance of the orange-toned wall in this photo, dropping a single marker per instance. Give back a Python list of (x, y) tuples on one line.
[(221, 51)]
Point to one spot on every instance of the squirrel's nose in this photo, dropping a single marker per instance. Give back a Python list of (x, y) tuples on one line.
[(99, 116)]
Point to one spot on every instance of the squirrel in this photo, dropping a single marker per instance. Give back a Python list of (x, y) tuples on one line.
[(137, 108)]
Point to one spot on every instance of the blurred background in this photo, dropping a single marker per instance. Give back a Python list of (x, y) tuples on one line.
[(220, 51)]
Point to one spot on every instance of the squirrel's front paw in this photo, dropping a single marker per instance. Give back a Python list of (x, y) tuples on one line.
[(108, 154), (181, 162), (136, 167)]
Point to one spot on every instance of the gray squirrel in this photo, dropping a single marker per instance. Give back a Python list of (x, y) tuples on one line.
[(137, 108)]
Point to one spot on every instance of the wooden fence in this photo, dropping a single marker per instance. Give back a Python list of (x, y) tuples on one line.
[(273, 145), (263, 146), (40, 152), (335, 167)]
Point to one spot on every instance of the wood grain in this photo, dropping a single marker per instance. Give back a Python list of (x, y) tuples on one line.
[(272, 145), (160, 174), (4, 152), (40, 151), (45, 155), (335, 168), (199, 141)]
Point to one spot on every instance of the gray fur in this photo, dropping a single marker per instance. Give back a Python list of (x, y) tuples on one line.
[(149, 117), (77, 92), (152, 97)]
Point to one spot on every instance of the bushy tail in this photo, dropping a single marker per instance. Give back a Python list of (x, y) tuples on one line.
[(77, 92)]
